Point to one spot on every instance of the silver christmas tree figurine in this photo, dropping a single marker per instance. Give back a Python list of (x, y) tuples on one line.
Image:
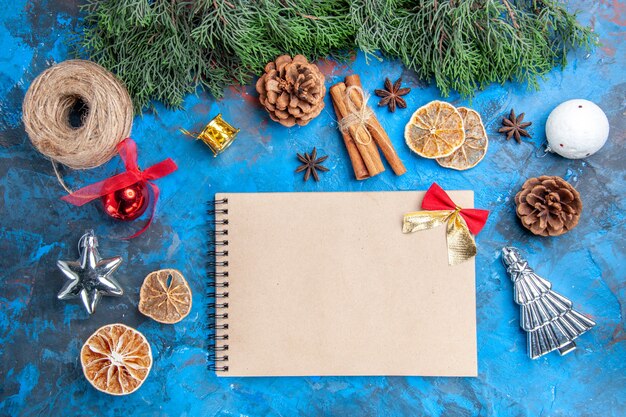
[(548, 317)]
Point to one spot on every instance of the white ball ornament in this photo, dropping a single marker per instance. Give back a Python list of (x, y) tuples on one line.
[(576, 129)]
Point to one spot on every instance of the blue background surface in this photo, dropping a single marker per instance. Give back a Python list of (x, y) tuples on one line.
[(40, 337)]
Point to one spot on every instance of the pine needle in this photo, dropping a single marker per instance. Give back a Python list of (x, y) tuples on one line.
[(164, 50)]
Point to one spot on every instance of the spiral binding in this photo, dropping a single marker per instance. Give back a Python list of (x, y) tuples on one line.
[(218, 282)]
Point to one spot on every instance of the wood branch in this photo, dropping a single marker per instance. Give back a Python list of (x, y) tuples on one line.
[(511, 14)]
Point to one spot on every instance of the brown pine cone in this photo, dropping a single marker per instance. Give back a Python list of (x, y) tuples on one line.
[(292, 90), (548, 206)]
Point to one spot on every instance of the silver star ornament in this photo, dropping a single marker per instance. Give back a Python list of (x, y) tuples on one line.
[(90, 276)]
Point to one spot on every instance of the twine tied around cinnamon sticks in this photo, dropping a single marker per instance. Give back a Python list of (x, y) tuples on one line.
[(358, 116), (361, 131)]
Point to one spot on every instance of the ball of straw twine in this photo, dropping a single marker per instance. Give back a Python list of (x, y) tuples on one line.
[(105, 119)]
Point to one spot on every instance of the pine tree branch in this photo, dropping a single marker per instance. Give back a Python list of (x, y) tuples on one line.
[(511, 14), (166, 49)]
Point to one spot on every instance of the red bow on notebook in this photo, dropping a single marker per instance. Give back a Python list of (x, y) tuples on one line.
[(128, 152), (461, 223)]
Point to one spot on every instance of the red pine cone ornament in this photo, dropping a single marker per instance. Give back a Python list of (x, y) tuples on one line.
[(548, 206), (292, 90)]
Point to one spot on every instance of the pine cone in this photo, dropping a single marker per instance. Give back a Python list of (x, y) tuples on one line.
[(292, 90), (548, 206)]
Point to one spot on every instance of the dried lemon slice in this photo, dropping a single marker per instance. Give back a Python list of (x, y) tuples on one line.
[(474, 149), (116, 359), (435, 130), (165, 296)]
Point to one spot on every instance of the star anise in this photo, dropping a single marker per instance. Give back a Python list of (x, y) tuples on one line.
[(311, 164), (391, 95), (514, 128)]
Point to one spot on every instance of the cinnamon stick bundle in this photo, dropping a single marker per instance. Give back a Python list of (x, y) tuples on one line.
[(364, 143), (360, 170), (376, 130), (362, 136)]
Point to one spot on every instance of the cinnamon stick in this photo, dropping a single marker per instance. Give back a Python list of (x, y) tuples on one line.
[(360, 170), (376, 130), (365, 145)]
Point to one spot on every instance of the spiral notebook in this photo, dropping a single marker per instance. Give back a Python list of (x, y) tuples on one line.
[(327, 284)]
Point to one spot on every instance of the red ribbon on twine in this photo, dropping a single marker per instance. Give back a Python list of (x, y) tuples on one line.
[(437, 199), (128, 152)]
